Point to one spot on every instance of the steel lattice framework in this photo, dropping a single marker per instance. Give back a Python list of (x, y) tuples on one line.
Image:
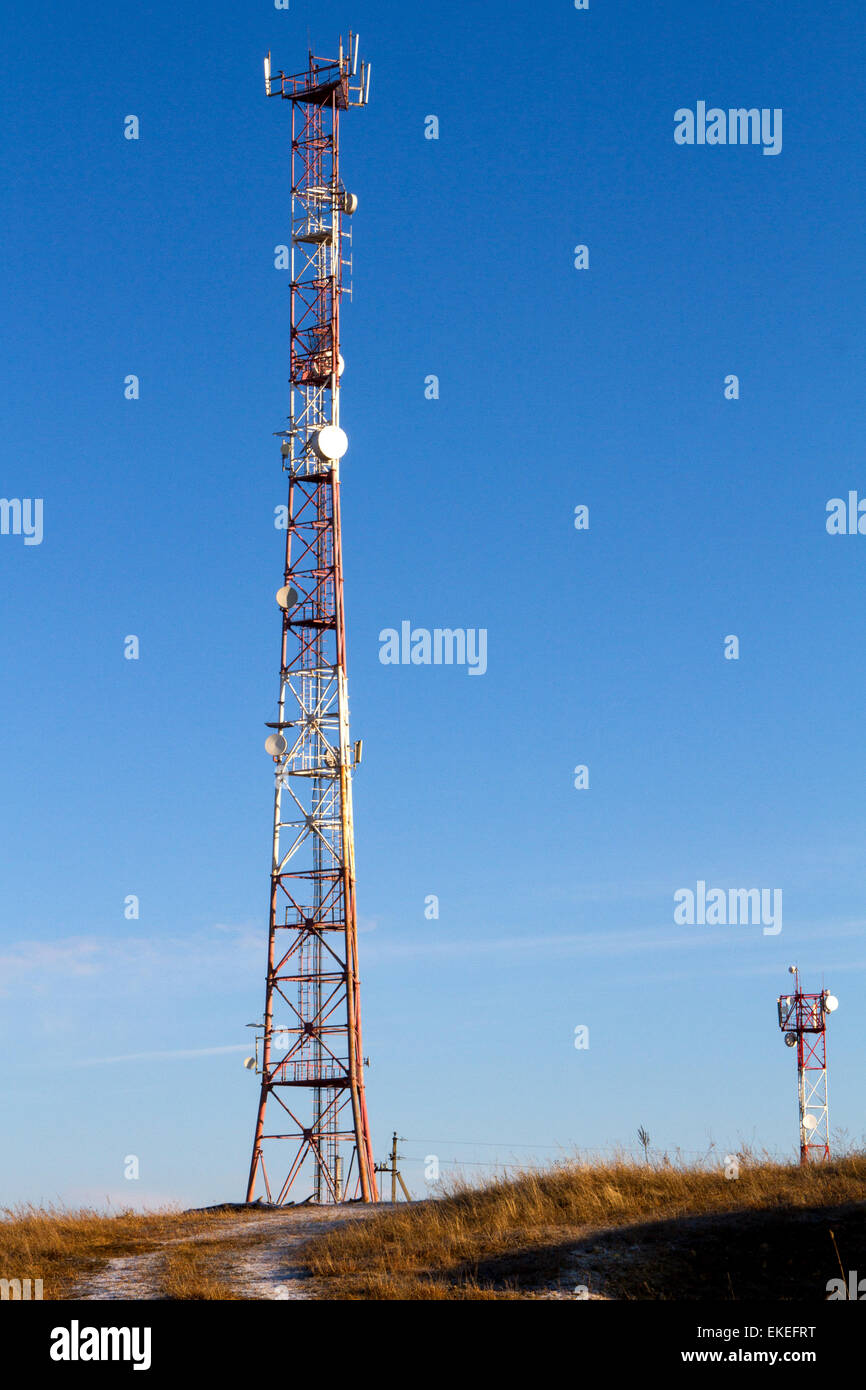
[(802, 1018), (311, 1056)]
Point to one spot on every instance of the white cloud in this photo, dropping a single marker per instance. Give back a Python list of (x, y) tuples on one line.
[(203, 957), (173, 1055)]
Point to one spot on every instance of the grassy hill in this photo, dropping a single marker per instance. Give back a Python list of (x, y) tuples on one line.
[(620, 1231), (576, 1230)]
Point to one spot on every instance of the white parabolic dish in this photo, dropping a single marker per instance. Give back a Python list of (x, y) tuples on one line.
[(276, 745), (809, 1122), (331, 442), (831, 1003)]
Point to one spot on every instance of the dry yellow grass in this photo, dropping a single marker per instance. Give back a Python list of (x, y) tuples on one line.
[(510, 1238), (61, 1247), (197, 1272), (636, 1231)]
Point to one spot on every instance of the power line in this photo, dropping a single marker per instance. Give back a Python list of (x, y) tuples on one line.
[(475, 1163), (562, 1148), (484, 1143)]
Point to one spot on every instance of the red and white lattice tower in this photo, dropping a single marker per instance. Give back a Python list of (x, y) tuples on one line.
[(803, 1020), (312, 1125)]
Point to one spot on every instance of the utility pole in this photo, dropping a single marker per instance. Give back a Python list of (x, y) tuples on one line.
[(396, 1175), (312, 1067)]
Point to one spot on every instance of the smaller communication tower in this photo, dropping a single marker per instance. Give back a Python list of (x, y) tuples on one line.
[(803, 1020)]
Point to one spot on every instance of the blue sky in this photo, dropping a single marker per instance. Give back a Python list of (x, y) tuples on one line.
[(558, 387)]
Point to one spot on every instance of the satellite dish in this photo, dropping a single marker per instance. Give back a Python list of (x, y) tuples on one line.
[(287, 597), (791, 1039), (331, 443), (250, 1063), (810, 1123), (276, 745), (831, 1003), (792, 969), (341, 364), (350, 203)]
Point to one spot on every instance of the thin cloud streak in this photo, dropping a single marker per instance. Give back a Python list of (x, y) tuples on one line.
[(607, 943), (177, 1054)]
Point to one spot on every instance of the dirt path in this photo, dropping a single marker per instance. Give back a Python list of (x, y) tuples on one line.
[(264, 1266)]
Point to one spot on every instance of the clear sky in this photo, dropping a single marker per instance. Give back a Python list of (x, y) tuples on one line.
[(558, 387)]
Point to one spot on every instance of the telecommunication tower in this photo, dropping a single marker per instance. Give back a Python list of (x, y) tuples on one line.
[(311, 1062), (803, 1020)]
